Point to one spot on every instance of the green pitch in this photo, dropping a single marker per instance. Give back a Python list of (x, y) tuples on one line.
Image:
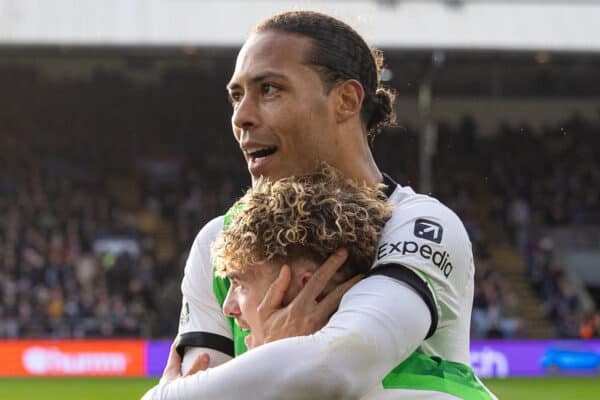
[(74, 389), (124, 389), (545, 388)]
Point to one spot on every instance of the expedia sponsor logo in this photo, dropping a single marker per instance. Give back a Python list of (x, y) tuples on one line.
[(429, 230), (440, 259)]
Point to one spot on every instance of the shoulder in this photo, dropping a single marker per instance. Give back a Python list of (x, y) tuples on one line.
[(209, 232), (429, 241), (200, 258), (424, 217), (425, 235)]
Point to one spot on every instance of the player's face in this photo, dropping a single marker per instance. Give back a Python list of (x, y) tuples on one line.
[(282, 117), (247, 290)]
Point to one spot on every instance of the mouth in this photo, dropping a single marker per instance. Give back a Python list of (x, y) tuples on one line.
[(259, 158), (242, 324), (261, 153)]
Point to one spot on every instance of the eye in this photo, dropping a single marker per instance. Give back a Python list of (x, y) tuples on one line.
[(236, 284), (268, 89), (234, 97)]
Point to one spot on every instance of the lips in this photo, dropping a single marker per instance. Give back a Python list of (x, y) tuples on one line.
[(259, 158), (264, 152), (242, 324)]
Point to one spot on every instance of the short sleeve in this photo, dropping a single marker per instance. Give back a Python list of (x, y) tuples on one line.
[(429, 239), (202, 322)]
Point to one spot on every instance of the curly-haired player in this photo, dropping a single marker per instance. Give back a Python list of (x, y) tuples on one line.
[(306, 90), (296, 223), (307, 216)]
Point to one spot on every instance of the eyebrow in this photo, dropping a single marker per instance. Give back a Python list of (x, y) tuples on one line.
[(258, 78), (234, 275)]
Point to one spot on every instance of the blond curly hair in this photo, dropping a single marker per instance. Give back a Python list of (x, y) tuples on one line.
[(306, 216)]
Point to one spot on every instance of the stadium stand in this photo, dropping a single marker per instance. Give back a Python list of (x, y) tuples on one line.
[(99, 206)]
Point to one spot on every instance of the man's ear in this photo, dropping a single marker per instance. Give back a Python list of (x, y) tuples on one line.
[(349, 99), (299, 279), (303, 278)]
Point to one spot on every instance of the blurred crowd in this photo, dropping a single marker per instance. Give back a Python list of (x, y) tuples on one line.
[(545, 180), (51, 282), (59, 200), (495, 304), (561, 298)]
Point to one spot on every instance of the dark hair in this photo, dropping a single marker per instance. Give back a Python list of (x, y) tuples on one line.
[(339, 53)]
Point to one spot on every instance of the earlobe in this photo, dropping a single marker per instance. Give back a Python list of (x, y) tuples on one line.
[(350, 96)]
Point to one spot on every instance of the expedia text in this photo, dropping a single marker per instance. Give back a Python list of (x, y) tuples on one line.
[(440, 259)]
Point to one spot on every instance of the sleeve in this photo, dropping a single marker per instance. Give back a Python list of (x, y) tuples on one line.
[(426, 245), (202, 323), (379, 323)]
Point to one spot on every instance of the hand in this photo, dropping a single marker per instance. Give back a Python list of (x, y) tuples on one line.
[(304, 315), (201, 363), (173, 369)]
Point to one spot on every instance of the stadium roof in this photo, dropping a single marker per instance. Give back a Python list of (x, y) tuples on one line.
[(551, 25)]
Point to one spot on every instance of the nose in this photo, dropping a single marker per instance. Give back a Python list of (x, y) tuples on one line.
[(231, 308), (246, 114)]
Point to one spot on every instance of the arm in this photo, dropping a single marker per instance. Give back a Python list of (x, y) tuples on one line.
[(202, 326), (380, 322)]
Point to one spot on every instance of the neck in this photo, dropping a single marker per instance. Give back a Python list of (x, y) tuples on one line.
[(355, 160), (361, 170)]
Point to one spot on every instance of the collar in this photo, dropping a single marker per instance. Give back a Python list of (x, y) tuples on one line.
[(390, 184)]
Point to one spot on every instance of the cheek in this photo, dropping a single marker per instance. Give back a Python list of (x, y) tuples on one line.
[(249, 302), (309, 122), (254, 300), (256, 293)]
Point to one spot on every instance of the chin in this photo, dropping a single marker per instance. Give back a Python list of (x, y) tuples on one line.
[(266, 175), (273, 173)]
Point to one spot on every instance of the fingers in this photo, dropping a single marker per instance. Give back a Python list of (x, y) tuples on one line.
[(249, 341), (314, 287), (331, 302), (173, 368), (174, 357), (276, 292), (201, 363)]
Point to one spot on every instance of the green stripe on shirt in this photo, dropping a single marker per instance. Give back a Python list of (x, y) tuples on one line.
[(422, 372)]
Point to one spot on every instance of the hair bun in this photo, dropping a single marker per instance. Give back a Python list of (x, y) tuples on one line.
[(383, 114)]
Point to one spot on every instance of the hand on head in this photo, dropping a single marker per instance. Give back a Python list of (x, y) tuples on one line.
[(304, 315)]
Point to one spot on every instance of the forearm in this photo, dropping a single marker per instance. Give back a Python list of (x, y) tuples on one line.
[(379, 323), (260, 374)]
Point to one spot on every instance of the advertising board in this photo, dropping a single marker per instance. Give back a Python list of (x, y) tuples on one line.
[(73, 358), (489, 358), (504, 358)]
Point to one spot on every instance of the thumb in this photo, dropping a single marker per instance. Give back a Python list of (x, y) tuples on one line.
[(201, 363)]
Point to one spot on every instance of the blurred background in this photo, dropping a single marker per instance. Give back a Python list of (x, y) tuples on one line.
[(116, 148)]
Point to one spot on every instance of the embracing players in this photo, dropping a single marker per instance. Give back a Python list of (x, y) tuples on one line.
[(306, 90)]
